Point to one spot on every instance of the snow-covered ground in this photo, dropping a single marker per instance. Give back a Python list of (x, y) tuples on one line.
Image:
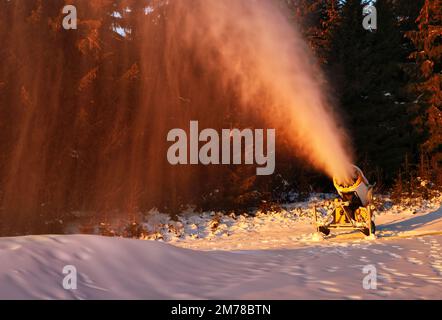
[(275, 256), (288, 227)]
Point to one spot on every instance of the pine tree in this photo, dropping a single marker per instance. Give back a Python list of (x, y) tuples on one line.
[(317, 20), (427, 86), (365, 67)]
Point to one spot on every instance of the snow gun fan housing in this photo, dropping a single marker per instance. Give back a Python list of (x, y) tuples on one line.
[(353, 210), (359, 187)]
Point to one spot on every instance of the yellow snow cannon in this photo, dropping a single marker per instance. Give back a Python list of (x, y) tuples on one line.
[(353, 209)]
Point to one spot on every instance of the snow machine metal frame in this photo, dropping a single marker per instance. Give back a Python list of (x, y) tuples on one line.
[(353, 210)]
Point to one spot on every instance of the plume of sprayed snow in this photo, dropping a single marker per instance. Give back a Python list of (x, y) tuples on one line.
[(256, 50)]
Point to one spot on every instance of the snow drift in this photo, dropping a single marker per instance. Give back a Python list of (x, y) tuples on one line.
[(115, 268)]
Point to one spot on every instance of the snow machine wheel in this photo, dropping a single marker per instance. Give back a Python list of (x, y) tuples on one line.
[(324, 230)]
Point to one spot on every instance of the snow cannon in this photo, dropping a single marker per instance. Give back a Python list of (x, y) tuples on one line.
[(353, 209), (358, 186)]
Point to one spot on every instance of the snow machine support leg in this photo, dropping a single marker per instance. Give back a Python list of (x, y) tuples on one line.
[(370, 230), (316, 218), (320, 228), (371, 224)]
